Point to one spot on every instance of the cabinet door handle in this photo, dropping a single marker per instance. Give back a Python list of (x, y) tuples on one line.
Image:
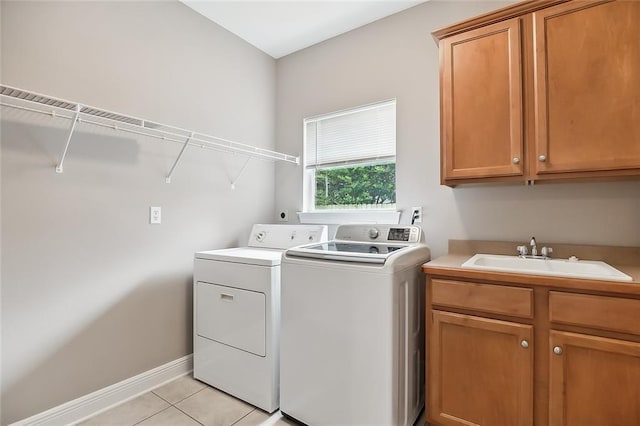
[(542, 158), (557, 350), (516, 160), (524, 344)]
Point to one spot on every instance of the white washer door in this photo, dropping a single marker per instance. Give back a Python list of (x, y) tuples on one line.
[(231, 316)]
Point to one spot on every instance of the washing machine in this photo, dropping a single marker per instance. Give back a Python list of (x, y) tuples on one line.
[(237, 313), (352, 335)]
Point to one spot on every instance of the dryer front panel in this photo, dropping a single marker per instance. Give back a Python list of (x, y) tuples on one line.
[(231, 316)]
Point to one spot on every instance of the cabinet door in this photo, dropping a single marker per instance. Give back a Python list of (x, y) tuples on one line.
[(481, 103), (480, 371), (593, 381), (587, 88)]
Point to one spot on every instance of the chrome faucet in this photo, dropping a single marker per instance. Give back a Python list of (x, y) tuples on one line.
[(534, 248), (545, 252)]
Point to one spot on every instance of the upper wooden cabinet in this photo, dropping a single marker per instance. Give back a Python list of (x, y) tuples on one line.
[(541, 90), (481, 85), (587, 79)]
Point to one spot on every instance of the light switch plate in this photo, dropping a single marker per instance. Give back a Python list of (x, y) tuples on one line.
[(155, 215)]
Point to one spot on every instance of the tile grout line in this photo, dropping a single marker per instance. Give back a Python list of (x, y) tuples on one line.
[(164, 409), (187, 397), (170, 405), (178, 402), (243, 417), (126, 402), (161, 398), (184, 412), (174, 405), (187, 414)]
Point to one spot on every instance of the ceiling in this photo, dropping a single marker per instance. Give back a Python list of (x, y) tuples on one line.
[(279, 28)]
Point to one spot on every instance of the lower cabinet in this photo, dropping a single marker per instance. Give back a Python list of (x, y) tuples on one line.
[(495, 359), (481, 371), (593, 380)]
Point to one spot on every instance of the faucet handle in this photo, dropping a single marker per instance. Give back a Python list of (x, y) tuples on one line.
[(546, 251), (522, 250)]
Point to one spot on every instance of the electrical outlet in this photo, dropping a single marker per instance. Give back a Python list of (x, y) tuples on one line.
[(283, 216), (155, 215), (416, 214)]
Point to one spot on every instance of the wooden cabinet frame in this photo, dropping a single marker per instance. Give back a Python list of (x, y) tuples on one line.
[(452, 147), (566, 315), (519, 351), (550, 146), (560, 391), (577, 161)]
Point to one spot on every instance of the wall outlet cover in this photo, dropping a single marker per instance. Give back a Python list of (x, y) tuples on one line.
[(416, 214)]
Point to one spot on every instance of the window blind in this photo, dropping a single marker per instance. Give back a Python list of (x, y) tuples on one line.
[(357, 136)]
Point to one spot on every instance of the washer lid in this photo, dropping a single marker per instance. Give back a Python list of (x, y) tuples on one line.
[(245, 255)]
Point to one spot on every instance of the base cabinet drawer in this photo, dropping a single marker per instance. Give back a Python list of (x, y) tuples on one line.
[(600, 312), (493, 299)]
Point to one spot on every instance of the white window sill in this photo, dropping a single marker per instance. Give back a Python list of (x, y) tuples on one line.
[(341, 217)]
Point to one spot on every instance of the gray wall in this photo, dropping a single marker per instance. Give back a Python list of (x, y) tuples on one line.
[(91, 293), (396, 57)]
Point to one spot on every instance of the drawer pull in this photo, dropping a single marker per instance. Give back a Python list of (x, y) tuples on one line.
[(557, 350), (226, 297), (524, 344)]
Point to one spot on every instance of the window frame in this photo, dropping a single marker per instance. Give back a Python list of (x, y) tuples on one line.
[(386, 214)]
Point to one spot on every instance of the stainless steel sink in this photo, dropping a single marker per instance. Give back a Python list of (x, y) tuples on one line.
[(585, 269)]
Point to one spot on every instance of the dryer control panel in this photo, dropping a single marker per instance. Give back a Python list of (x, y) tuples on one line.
[(286, 236)]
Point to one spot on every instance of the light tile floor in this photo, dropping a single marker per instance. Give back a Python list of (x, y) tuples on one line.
[(188, 402)]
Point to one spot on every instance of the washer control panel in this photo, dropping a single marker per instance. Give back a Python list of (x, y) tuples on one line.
[(406, 234), (380, 233)]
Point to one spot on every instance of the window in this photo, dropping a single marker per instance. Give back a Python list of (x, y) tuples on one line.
[(350, 159)]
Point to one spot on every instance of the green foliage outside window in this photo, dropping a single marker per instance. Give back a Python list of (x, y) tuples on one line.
[(356, 187)]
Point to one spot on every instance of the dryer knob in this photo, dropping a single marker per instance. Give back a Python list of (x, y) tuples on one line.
[(373, 233), (260, 236)]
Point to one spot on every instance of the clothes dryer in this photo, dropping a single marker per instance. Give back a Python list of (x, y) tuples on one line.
[(237, 313)]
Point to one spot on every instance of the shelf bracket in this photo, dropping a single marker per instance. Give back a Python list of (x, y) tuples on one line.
[(175, 163), (233, 182), (76, 117)]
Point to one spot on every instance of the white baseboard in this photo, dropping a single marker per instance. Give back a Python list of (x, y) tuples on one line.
[(105, 398)]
